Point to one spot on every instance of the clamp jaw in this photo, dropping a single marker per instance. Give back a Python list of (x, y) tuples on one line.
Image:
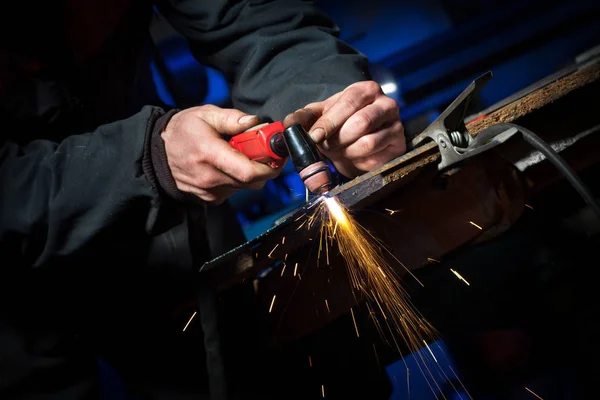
[(451, 134)]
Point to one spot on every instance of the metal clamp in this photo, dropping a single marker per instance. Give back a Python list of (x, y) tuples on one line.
[(451, 134)]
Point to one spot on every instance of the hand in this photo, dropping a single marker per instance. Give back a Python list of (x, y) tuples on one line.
[(358, 129), (203, 163)]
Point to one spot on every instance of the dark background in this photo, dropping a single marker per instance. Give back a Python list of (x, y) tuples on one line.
[(429, 51)]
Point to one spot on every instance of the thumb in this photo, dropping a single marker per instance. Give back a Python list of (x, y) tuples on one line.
[(227, 121)]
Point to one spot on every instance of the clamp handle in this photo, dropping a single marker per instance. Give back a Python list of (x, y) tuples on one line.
[(451, 134)]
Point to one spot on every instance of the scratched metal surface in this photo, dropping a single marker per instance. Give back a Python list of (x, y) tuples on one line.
[(253, 256)]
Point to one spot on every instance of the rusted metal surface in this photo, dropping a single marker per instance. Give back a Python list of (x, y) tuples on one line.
[(428, 221), (381, 185), (253, 256)]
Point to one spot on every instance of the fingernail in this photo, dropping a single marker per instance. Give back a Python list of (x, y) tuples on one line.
[(317, 135), (245, 119)]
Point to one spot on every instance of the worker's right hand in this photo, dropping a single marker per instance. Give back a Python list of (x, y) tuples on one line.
[(203, 163)]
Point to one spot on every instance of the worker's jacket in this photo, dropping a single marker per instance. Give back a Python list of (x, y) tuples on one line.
[(97, 245)]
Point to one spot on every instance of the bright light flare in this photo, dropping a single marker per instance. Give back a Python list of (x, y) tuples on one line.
[(337, 212), (373, 280)]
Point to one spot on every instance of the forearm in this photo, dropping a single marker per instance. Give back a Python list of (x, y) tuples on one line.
[(278, 55), (59, 199)]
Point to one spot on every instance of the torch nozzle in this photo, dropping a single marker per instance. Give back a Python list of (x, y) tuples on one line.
[(307, 160)]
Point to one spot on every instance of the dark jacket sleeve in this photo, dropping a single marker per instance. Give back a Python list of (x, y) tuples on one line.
[(61, 199), (277, 56)]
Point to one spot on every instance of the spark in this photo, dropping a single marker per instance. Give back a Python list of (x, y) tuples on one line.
[(376, 356), (533, 393), (433, 260), (272, 302), (309, 361), (323, 391), (392, 212), (354, 320), (327, 251), (301, 225), (256, 255), (475, 225), (297, 219), (283, 269), (299, 277), (374, 280), (430, 352), (327, 305), (189, 320), (459, 381), (277, 245), (285, 258), (283, 240), (408, 381), (528, 206), (295, 269), (459, 276), (320, 245)]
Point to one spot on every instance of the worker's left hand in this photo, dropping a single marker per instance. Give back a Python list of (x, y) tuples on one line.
[(358, 129)]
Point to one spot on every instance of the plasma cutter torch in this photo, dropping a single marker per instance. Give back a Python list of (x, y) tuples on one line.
[(272, 143)]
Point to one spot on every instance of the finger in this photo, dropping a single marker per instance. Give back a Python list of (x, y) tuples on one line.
[(367, 120), (378, 159), (349, 102), (211, 184), (305, 117), (227, 121), (369, 144), (238, 166), (204, 177), (214, 196)]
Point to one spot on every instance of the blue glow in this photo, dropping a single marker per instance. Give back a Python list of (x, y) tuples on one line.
[(419, 388), (161, 88), (218, 89)]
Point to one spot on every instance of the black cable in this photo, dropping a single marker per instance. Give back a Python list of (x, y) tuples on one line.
[(552, 156)]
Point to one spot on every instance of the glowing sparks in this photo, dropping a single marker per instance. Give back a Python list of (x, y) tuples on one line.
[(528, 206), (189, 320), (309, 361), (327, 305), (374, 281), (277, 245), (295, 269), (283, 240), (459, 276), (433, 260), (272, 302), (283, 269), (337, 212), (533, 393), (301, 225), (475, 225), (392, 212), (323, 391), (430, 352), (285, 258), (376, 356), (354, 320)]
